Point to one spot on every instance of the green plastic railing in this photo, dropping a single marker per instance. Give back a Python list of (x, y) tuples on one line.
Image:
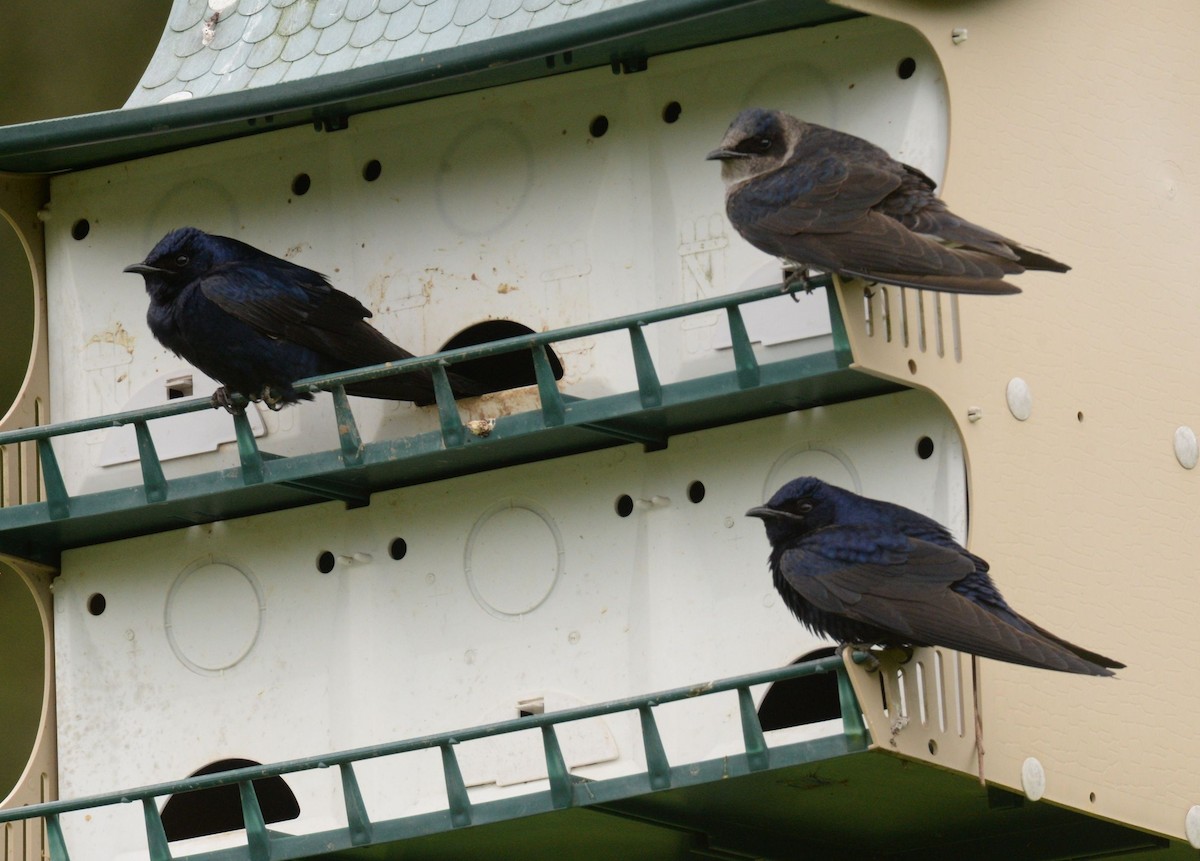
[(552, 402), (564, 790)]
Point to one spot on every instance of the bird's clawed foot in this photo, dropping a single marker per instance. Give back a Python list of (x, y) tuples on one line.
[(798, 274), (231, 402), (275, 401), (869, 661)]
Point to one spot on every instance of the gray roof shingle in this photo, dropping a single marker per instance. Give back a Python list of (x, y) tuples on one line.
[(222, 46)]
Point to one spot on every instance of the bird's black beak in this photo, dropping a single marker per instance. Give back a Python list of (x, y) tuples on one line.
[(143, 269), (725, 155), (764, 513)]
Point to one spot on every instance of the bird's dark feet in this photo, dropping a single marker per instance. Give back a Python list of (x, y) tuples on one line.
[(797, 275), (274, 400), (868, 662), (231, 402)]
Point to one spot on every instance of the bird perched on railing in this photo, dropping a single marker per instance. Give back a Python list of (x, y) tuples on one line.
[(257, 323), (828, 200), (864, 571)]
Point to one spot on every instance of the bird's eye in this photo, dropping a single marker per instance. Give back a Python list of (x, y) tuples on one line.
[(182, 260), (764, 144), (804, 507)]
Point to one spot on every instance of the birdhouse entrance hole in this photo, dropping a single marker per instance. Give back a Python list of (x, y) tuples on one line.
[(219, 809), (506, 371), (796, 702)]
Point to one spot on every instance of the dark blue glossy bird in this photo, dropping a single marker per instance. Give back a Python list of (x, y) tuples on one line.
[(864, 571), (825, 199), (257, 323)]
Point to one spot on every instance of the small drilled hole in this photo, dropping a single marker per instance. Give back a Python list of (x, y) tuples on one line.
[(325, 561), (671, 112), (372, 170), (906, 68), (598, 127), (80, 229), (624, 506), (912, 366), (96, 603), (696, 491), (924, 448), (933, 746), (1092, 797), (1079, 416), (301, 184), (398, 548)]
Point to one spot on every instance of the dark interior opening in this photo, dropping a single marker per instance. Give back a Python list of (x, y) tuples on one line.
[(808, 699), (507, 371), (219, 809)]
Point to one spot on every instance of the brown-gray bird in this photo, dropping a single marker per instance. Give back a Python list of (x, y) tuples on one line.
[(832, 201)]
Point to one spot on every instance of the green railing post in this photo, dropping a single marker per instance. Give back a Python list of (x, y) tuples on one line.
[(852, 720), (156, 836), (153, 479), (248, 453), (758, 756), (743, 351), (453, 434), (54, 835), (356, 811), (57, 499), (561, 794), (649, 388), (553, 412), (257, 840), (657, 765), (456, 790), (348, 435)]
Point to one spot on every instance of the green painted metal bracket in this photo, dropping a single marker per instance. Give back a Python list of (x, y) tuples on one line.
[(561, 793), (56, 490), (456, 790), (257, 839), (553, 411), (453, 435), (657, 766), (743, 350), (649, 388), (757, 755), (248, 454)]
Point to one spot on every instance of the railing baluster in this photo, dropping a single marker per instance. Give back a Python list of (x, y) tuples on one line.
[(57, 499), (156, 836), (347, 427), (561, 794), (758, 756), (252, 462), (649, 388), (553, 412), (452, 427), (257, 840), (153, 480), (54, 835), (743, 352), (657, 765), (852, 719), (356, 810), (456, 790)]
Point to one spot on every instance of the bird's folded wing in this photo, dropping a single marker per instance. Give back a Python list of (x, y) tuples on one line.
[(907, 592), (825, 195)]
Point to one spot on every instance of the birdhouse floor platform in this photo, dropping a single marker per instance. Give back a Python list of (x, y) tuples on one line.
[(562, 425)]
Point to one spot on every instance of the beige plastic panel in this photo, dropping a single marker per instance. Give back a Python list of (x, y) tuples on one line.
[(1074, 128), (24, 374)]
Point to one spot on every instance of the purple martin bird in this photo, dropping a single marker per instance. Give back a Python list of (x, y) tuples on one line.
[(832, 201), (864, 571), (256, 323)]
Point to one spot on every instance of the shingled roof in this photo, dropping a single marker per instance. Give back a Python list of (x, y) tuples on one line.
[(222, 46)]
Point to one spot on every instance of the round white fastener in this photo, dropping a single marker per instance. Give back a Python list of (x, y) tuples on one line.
[(1020, 399), (1033, 779), (1191, 826), (1186, 450)]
